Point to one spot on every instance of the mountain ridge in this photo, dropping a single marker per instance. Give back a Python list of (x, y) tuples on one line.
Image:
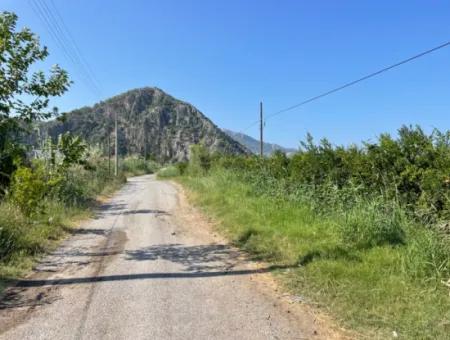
[(151, 123), (253, 144)]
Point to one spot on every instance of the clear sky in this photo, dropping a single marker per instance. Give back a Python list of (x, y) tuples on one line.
[(226, 56)]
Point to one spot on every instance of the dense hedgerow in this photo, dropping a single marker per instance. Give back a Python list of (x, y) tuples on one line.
[(412, 170)]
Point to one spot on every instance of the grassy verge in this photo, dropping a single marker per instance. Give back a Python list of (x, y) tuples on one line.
[(26, 237), (376, 289)]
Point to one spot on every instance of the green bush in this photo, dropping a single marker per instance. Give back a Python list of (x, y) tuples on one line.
[(199, 160), (29, 188), (74, 188)]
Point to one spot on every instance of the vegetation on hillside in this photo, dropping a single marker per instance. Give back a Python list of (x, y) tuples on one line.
[(152, 124), (364, 230)]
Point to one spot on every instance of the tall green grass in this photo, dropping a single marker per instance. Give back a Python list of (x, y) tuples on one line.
[(367, 263)]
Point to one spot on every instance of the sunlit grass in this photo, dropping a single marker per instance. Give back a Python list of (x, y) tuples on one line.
[(387, 280)]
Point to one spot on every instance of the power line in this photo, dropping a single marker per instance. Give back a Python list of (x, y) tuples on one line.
[(48, 19), (352, 83), (74, 57), (59, 40), (75, 45)]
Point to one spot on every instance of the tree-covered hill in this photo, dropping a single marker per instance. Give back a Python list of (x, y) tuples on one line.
[(151, 123)]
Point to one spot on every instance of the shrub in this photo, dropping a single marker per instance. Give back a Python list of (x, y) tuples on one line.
[(199, 160), (28, 188), (75, 187)]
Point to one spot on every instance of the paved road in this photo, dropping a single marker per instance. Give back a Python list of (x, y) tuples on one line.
[(140, 270)]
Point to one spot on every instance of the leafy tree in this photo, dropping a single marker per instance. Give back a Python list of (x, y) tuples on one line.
[(24, 95), (72, 148)]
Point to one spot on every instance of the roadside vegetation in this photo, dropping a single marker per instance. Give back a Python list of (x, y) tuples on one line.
[(363, 230), (47, 196), (45, 185)]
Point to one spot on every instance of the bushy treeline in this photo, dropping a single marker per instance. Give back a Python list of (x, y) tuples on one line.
[(412, 170)]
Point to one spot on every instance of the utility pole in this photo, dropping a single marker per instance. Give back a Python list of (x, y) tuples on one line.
[(116, 165), (145, 138), (261, 127), (109, 151)]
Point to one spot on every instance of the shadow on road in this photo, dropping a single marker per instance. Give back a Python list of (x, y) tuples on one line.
[(19, 299), (144, 276), (114, 209), (140, 211), (193, 258), (87, 231)]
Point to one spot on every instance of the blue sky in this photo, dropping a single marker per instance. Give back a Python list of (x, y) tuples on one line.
[(226, 56)]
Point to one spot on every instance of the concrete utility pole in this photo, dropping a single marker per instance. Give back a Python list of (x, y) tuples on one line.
[(261, 127), (145, 137), (116, 165), (109, 151)]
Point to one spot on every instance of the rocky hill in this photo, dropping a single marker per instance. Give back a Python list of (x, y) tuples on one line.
[(151, 123), (253, 144)]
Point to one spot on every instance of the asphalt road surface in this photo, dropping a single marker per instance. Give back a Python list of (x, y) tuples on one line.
[(143, 269)]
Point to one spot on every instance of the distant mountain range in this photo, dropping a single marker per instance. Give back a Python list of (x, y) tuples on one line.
[(253, 144), (151, 122)]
